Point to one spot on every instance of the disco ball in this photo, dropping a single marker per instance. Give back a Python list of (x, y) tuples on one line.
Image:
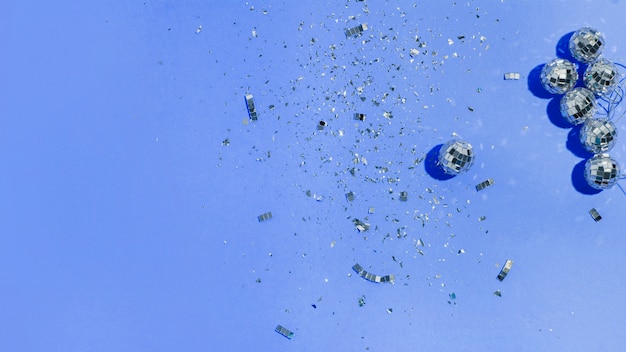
[(601, 172), (601, 76), (578, 105), (558, 76), (456, 156), (586, 44), (598, 135)]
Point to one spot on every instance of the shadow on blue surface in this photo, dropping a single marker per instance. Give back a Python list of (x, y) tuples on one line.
[(575, 146), (534, 83), (562, 47), (432, 166), (554, 113), (578, 179)]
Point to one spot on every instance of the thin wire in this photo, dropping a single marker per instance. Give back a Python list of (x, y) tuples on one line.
[(620, 187), (609, 102)]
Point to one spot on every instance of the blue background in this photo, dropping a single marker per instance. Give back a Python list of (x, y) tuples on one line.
[(131, 178)]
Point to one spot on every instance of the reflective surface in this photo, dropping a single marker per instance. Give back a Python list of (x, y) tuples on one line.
[(601, 171), (598, 135), (601, 76), (578, 105), (558, 76), (456, 156), (586, 44)]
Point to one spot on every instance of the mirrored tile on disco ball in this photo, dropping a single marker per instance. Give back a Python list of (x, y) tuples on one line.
[(559, 76), (456, 156), (586, 44), (601, 171), (598, 135), (578, 105), (601, 76)]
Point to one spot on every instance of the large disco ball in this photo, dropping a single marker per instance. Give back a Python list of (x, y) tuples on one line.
[(456, 156), (598, 135), (601, 172), (586, 44), (578, 105), (601, 76), (558, 76)]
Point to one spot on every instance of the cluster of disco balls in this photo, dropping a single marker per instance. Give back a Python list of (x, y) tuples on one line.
[(579, 105)]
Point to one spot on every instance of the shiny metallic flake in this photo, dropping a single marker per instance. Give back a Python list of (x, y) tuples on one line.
[(505, 269)]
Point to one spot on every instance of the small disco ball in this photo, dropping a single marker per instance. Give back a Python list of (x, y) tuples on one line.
[(586, 44), (598, 135), (578, 105), (456, 156), (601, 172), (558, 76), (601, 76)]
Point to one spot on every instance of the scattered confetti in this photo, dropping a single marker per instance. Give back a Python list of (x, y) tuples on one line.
[(595, 215), (371, 277), (356, 31), (505, 270), (265, 216), (284, 331), (250, 106), (512, 76), (484, 184)]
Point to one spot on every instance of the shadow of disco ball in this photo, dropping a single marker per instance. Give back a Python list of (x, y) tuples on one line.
[(586, 44), (601, 172), (598, 135), (578, 105), (456, 156), (558, 76), (601, 76)]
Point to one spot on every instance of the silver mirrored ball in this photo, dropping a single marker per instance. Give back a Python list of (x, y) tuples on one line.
[(601, 76), (578, 105), (586, 44), (598, 135), (601, 172), (456, 156), (558, 76)]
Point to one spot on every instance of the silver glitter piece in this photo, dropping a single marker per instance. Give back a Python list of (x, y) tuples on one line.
[(359, 116), (601, 76), (487, 183), (456, 156), (371, 277), (586, 44), (505, 269), (601, 172), (558, 76), (595, 215), (598, 135), (511, 76), (360, 225), (356, 31), (265, 216), (578, 105), (284, 331), (251, 108)]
